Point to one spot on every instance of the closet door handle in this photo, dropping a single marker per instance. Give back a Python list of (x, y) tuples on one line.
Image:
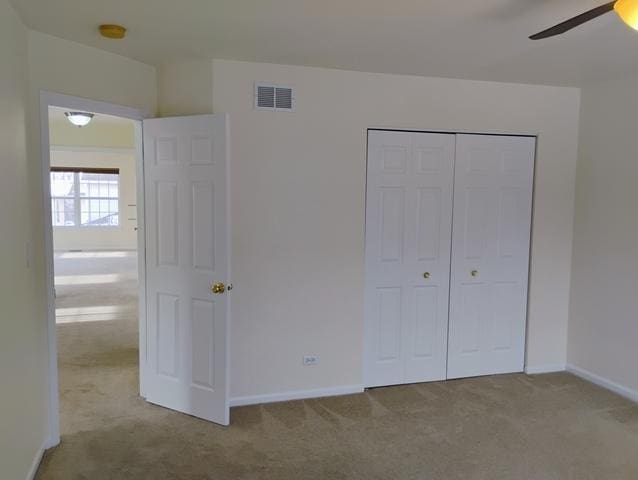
[(474, 273), (426, 275)]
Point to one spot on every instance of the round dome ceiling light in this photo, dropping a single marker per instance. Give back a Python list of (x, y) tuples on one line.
[(113, 31), (79, 119)]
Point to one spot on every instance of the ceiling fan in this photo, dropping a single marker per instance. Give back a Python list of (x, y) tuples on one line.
[(627, 10)]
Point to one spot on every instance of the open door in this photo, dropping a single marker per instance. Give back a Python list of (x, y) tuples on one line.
[(187, 264)]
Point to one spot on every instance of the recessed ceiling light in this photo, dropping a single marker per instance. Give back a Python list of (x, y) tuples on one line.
[(113, 31), (79, 119)]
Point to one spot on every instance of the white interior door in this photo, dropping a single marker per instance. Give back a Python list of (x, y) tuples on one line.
[(187, 251), (408, 229), (490, 254)]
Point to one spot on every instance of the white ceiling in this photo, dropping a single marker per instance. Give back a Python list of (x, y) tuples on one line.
[(477, 39)]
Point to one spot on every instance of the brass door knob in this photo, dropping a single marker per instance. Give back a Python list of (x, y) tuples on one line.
[(426, 275), (474, 273), (218, 288)]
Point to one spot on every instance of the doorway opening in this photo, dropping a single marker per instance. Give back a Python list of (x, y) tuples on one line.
[(93, 192), (94, 220), (183, 265)]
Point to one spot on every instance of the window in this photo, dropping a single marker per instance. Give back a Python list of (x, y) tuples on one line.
[(85, 197)]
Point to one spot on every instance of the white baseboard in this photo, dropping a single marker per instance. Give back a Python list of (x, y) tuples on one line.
[(296, 395), (36, 463), (538, 369), (621, 390), (92, 250), (51, 442)]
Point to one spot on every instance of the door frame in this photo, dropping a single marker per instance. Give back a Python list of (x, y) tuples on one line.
[(382, 128), (50, 99)]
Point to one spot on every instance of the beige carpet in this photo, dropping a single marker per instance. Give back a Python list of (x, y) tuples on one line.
[(548, 427), (89, 281)]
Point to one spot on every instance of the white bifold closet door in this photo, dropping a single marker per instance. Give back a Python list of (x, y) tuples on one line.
[(490, 254), (408, 229), (448, 221)]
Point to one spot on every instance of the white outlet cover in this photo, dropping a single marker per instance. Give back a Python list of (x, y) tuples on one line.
[(310, 360)]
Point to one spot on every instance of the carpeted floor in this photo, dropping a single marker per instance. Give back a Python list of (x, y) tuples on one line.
[(95, 283), (547, 427)]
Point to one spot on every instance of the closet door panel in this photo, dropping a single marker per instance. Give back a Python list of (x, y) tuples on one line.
[(430, 230), (408, 229), (490, 254), (386, 255)]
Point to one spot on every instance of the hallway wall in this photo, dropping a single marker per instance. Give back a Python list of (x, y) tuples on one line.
[(23, 416)]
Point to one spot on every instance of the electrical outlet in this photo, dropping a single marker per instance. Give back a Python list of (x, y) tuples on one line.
[(310, 360)]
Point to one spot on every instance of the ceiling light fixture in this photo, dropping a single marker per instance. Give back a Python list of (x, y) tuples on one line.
[(116, 32), (79, 119), (627, 10)]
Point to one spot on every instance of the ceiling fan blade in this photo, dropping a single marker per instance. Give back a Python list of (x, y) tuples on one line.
[(574, 22)]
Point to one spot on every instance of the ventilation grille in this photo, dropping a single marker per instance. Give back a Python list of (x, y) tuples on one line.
[(274, 97), (265, 96)]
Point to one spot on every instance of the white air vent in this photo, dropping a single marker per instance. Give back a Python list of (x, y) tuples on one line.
[(274, 97)]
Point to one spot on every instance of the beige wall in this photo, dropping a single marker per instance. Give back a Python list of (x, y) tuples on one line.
[(122, 237), (298, 191), (23, 417), (603, 322), (97, 75), (185, 88)]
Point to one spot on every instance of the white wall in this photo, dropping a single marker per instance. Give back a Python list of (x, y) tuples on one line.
[(298, 191), (122, 237), (23, 413), (603, 322)]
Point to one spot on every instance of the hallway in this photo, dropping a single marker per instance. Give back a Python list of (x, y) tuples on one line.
[(96, 311)]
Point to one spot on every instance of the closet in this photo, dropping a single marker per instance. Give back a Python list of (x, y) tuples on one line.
[(448, 219)]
